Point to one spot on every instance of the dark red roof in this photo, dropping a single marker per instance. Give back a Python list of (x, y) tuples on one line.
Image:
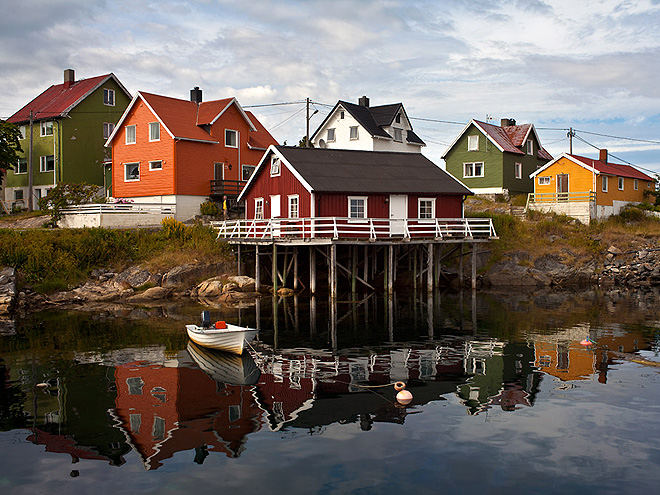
[(511, 138), (261, 139), (57, 100), (178, 116), (612, 168)]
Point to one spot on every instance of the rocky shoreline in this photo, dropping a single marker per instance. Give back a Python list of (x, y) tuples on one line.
[(140, 286)]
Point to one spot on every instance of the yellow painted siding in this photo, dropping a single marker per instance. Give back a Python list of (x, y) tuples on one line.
[(614, 194)]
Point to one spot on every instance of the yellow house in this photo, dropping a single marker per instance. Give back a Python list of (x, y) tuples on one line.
[(585, 188)]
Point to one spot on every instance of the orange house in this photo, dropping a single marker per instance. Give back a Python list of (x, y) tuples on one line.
[(585, 188), (171, 151)]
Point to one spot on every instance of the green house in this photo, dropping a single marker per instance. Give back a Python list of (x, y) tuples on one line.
[(66, 127), (491, 159)]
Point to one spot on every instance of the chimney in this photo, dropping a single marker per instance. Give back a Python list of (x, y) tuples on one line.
[(69, 78), (196, 95), (507, 122), (603, 156), (364, 102)]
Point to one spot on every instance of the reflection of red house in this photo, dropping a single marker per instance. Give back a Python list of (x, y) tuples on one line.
[(164, 410), (64, 444)]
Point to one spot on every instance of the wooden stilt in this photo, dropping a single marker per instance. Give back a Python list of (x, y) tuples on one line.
[(354, 268), (474, 265), (365, 268), (257, 269), (414, 264), (295, 268), (274, 268), (333, 271), (312, 316), (390, 269), (312, 269), (239, 260), (461, 275), (429, 267)]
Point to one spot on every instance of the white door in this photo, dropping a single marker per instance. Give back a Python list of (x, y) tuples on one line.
[(398, 213), (275, 213)]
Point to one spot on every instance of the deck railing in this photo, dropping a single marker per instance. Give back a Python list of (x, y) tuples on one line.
[(96, 208), (351, 228), (582, 196), (229, 188)]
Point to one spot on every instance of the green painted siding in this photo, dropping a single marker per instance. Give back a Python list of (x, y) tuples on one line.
[(488, 154), (77, 142)]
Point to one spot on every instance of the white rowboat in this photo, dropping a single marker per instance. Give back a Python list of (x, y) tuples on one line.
[(230, 339), (225, 367)]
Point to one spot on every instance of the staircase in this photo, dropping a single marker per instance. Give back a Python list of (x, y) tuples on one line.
[(518, 212)]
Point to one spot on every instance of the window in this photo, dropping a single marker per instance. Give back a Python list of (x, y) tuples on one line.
[(398, 135), (475, 169), (108, 127), (259, 208), (620, 183), (22, 166), (426, 207), (231, 138), (135, 385), (246, 171), (530, 147), (109, 97), (130, 134), (131, 171), (154, 131), (604, 181), (135, 422), (156, 165), (18, 194), (158, 431), (331, 135), (518, 170), (341, 114), (636, 184), (47, 128), (47, 163), (22, 130), (473, 143), (398, 118), (274, 166), (354, 132), (544, 181), (293, 206), (357, 207)]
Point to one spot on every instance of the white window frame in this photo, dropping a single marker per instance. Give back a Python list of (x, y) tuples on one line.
[(473, 143), (275, 166), (126, 167), (46, 128), (152, 165), (332, 135), (364, 200), (154, 131), (245, 168), (604, 183), (472, 168), (43, 163), (258, 208), (18, 167), (294, 206), (621, 183), (544, 181), (109, 97), (130, 132), (23, 130), (518, 170), (419, 208), (353, 133), (108, 127), (530, 147), (635, 184), (398, 135), (231, 132)]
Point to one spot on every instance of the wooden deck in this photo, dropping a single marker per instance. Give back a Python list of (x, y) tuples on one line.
[(350, 230)]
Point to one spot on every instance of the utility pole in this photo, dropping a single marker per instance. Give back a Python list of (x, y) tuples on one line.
[(570, 135), (307, 120), (30, 163)]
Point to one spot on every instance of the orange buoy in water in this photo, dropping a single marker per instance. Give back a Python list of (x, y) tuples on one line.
[(403, 397)]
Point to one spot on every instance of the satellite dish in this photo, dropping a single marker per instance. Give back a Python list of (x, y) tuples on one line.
[(321, 143)]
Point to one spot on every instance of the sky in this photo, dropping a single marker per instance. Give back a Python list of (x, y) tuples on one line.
[(593, 66)]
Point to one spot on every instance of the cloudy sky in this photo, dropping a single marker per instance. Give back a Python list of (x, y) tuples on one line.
[(590, 65)]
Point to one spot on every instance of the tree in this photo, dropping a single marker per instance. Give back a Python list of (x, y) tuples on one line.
[(304, 144), (9, 146), (64, 195)]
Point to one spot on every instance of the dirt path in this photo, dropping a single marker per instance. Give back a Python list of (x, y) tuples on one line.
[(10, 222)]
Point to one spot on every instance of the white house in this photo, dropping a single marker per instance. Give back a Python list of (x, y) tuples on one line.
[(361, 127)]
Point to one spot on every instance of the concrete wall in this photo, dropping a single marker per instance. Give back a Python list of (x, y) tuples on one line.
[(581, 210)]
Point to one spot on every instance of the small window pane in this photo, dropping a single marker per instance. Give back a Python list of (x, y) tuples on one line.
[(354, 132), (230, 138), (473, 143), (331, 135), (130, 134), (109, 97), (132, 171), (154, 131)]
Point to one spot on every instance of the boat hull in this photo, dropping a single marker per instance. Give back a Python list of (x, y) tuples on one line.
[(225, 367), (231, 339)]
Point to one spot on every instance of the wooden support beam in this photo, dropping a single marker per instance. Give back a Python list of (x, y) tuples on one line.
[(274, 268), (257, 269), (390, 269), (312, 269), (365, 268), (295, 268), (429, 267), (461, 276), (474, 266), (354, 268), (239, 260), (347, 272), (333, 272)]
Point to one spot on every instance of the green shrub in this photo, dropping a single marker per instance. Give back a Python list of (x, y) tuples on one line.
[(210, 208), (175, 230)]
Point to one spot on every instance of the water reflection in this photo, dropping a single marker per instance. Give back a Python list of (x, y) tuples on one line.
[(98, 388)]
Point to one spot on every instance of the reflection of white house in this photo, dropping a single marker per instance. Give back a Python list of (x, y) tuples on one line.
[(361, 127)]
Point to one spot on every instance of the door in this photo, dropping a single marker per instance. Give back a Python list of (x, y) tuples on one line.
[(217, 185), (398, 213), (562, 187), (275, 214)]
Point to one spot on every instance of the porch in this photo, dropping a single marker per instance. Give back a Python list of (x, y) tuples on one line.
[(579, 205)]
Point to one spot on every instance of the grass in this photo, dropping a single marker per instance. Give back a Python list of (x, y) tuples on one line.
[(52, 260)]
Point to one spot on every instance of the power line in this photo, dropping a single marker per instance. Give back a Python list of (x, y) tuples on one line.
[(618, 137)]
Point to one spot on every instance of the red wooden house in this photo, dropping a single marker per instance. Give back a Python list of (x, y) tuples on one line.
[(171, 151), (401, 190)]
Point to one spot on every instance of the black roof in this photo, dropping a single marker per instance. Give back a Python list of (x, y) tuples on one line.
[(353, 171)]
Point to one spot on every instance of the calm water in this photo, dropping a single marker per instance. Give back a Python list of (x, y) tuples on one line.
[(506, 399)]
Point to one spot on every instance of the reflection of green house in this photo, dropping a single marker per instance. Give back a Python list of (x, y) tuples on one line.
[(69, 124), (491, 159)]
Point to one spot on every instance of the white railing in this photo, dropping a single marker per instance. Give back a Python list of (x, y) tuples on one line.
[(368, 228), (118, 208)]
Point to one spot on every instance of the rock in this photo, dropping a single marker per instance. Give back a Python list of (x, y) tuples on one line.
[(243, 283), (231, 286), (152, 294), (209, 288), (614, 250), (7, 290), (184, 274), (132, 278), (284, 291)]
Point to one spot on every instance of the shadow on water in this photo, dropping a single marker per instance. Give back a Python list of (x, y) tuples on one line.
[(98, 385)]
